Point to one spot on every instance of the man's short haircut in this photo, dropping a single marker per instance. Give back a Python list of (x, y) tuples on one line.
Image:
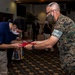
[(50, 4), (54, 3), (19, 22)]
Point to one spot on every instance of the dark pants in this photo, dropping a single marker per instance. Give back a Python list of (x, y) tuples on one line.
[(35, 36), (9, 56)]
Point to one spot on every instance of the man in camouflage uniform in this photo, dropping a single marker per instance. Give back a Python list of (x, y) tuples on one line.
[(64, 34), (66, 43)]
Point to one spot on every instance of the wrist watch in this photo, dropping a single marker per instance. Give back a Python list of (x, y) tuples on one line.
[(33, 47)]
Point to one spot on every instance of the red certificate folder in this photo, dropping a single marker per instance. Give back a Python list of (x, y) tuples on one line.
[(26, 43)]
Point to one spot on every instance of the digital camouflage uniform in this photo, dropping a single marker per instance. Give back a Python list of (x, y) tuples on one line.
[(66, 43)]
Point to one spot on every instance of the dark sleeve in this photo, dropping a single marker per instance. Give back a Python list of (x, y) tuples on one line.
[(1, 38)]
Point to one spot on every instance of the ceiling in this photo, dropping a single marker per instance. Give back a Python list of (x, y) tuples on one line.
[(41, 1)]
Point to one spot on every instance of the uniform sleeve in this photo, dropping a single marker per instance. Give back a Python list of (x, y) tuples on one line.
[(58, 30), (57, 33)]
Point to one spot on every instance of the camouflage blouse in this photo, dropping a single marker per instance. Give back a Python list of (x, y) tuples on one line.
[(66, 42)]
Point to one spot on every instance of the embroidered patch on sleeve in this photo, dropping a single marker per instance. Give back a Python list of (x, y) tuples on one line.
[(57, 33)]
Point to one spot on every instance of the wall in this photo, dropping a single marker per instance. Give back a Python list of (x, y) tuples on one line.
[(37, 10), (71, 15), (8, 6)]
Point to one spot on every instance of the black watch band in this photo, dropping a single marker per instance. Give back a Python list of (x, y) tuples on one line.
[(33, 47)]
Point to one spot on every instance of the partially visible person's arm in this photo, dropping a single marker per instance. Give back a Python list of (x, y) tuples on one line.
[(46, 43), (6, 46), (43, 44)]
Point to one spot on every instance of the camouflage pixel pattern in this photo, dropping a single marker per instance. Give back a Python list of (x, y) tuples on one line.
[(66, 42)]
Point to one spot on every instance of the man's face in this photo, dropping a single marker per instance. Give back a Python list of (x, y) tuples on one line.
[(50, 15), (15, 30)]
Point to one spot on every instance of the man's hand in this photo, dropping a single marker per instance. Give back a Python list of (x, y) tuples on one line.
[(15, 45), (28, 46)]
